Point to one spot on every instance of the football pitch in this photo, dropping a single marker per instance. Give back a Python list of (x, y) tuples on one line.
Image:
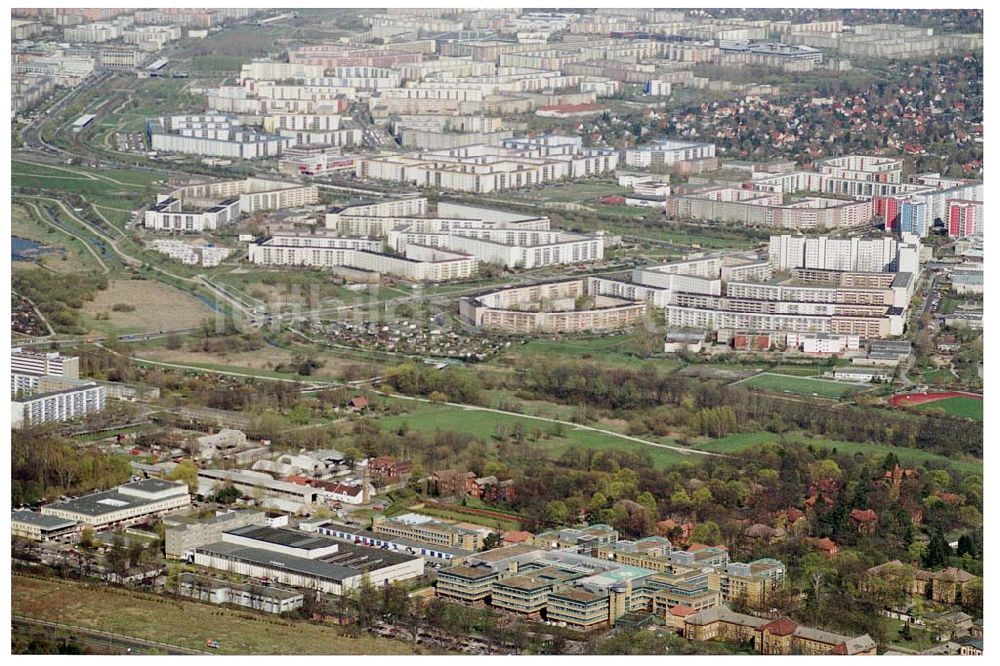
[(823, 388), (970, 408)]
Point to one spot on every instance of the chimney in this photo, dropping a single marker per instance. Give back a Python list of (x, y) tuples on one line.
[(365, 480)]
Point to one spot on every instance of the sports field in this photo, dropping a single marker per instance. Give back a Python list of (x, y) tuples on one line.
[(954, 403), (963, 406), (823, 388)]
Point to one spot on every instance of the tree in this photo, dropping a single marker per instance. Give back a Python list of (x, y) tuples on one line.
[(366, 602), (118, 556), (87, 538), (938, 551), (492, 540), (597, 503), (395, 603), (647, 500), (707, 533), (187, 472), (917, 551), (680, 500), (557, 512), (228, 494), (966, 546), (300, 414)]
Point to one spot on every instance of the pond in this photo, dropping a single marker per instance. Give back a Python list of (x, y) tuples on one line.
[(23, 249)]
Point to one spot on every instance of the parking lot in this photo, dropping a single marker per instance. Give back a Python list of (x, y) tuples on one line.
[(130, 142)]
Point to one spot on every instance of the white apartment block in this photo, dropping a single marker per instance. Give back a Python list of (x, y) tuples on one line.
[(818, 343), (169, 215), (742, 269), (520, 309), (212, 136), (302, 122), (44, 363), (763, 208), (152, 37), (420, 263), (656, 88), (484, 168), (191, 254), (668, 153), (404, 206), (509, 239), (568, 249), (91, 33), (61, 405), (209, 206), (865, 255), (343, 138), (265, 70)]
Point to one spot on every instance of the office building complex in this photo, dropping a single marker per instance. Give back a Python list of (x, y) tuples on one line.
[(127, 504), (588, 580), (290, 557)]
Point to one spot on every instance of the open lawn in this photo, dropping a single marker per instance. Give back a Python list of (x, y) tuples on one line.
[(157, 307), (67, 177), (742, 441), (823, 388), (969, 408), (933, 377), (609, 350), (583, 192), (556, 439), (259, 363), (184, 623)]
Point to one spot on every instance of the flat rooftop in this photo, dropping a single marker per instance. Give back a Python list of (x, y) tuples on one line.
[(40, 520), (110, 501), (368, 534), (280, 537), (348, 562)]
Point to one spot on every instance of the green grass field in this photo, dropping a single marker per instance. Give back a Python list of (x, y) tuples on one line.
[(485, 425), (610, 350), (932, 376), (743, 441), (823, 388), (969, 408), (135, 179)]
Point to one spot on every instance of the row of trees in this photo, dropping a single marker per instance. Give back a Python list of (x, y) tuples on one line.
[(45, 465)]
